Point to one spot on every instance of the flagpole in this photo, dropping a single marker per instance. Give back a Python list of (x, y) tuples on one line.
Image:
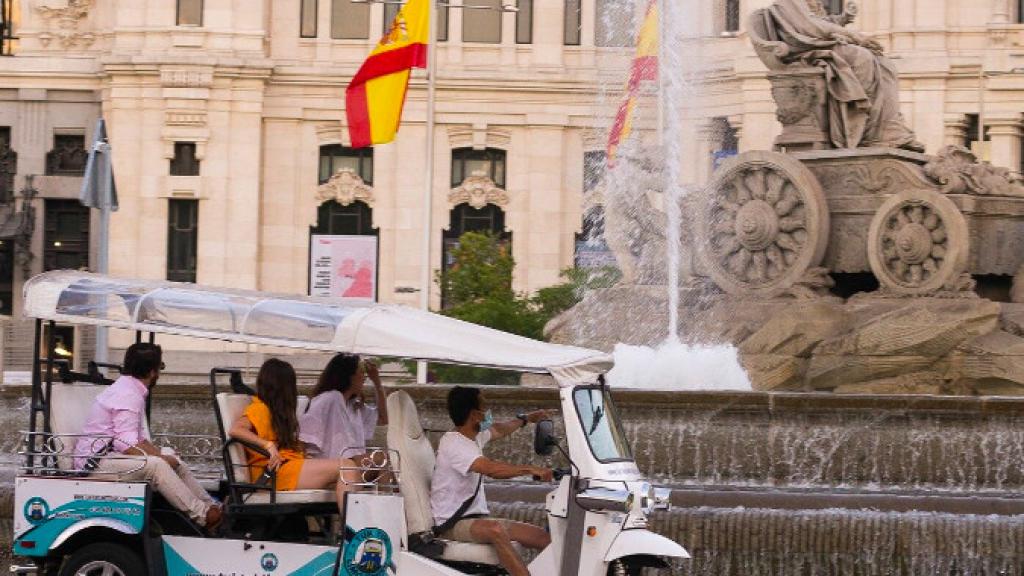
[(428, 186)]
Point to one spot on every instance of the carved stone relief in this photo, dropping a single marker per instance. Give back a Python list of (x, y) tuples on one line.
[(478, 191), (345, 187), (958, 171), (63, 24)]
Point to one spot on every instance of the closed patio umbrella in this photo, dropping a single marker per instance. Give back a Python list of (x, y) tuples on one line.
[(99, 191)]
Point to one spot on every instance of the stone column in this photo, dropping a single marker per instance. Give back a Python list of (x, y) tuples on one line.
[(955, 129), (1001, 11), (1004, 131)]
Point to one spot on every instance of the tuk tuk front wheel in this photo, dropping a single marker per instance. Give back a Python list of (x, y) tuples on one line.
[(103, 559), (638, 566)]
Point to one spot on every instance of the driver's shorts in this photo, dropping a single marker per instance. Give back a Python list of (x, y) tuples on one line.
[(461, 531)]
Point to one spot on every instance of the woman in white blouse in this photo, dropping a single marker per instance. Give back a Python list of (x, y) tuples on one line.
[(337, 423)]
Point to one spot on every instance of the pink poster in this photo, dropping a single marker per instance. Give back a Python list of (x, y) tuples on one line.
[(343, 267)]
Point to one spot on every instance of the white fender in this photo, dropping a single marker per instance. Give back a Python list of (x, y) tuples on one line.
[(119, 526), (643, 542)]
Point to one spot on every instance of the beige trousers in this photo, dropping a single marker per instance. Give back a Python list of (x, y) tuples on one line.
[(179, 487)]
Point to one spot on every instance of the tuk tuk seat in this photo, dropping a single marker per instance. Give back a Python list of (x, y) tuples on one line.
[(231, 406), (70, 405), (406, 436)]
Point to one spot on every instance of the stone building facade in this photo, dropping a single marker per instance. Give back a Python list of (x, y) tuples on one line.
[(227, 124)]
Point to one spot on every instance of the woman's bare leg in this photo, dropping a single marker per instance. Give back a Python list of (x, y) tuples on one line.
[(323, 474)]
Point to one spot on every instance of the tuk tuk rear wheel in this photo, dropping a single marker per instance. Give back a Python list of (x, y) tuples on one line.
[(103, 559)]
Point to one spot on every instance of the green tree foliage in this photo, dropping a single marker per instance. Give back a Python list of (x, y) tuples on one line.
[(478, 289)]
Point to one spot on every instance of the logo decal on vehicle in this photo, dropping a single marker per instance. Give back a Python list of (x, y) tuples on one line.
[(269, 562), (368, 553), (36, 511)]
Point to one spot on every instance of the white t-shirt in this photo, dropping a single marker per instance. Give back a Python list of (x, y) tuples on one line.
[(453, 483)]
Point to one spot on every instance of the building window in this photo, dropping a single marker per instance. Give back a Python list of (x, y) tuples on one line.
[(65, 235), (442, 23), (524, 22), (973, 127), (333, 219), (190, 13), (615, 23), (731, 22), (68, 156), (390, 13), (185, 162), (482, 24), (834, 7), (10, 15), (8, 165), (307, 18), (595, 163), (464, 218), (6, 276), (336, 157), (573, 22), (350, 20), (592, 250), (726, 140), (182, 239), (466, 162)]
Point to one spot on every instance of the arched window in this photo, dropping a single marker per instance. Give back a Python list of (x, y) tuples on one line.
[(335, 157), (467, 161), (465, 218), (343, 252), (333, 219)]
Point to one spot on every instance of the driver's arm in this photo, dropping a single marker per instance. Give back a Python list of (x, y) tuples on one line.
[(502, 429), (505, 471)]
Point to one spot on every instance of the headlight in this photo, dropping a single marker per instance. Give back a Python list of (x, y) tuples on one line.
[(605, 500)]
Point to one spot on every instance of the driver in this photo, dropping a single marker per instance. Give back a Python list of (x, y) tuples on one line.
[(457, 495)]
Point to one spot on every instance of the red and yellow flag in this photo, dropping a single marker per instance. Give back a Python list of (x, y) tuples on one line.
[(645, 68), (375, 97)]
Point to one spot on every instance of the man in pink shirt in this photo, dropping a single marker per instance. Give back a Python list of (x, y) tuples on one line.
[(115, 446)]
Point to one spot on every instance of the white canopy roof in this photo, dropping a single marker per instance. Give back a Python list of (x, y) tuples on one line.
[(309, 323)]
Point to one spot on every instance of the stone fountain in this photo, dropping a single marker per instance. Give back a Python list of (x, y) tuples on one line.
[(844, 259)]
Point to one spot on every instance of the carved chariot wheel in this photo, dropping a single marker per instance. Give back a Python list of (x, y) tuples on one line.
[(763, 224), (918, 242)]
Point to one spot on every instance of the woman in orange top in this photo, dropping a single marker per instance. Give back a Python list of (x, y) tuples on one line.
[(270, 421)]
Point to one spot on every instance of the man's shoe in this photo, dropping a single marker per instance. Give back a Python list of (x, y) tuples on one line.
[(214, 516)]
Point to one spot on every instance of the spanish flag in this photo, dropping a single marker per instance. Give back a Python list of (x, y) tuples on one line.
[(645, 68), (375, 97)]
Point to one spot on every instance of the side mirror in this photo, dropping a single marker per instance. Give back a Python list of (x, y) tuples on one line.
[(544, 441)]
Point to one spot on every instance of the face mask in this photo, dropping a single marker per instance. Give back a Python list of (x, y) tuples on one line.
[(487, 422)]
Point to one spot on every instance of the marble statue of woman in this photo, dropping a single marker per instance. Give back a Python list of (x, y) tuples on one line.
[(863, 88)]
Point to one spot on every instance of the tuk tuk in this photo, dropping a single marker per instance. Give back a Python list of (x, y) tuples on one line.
[(68, 523)]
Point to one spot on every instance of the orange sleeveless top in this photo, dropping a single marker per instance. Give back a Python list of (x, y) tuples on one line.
[(288, 473)]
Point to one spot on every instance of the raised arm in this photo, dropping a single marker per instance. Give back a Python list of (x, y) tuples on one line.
[(373, 373), (502, 429)]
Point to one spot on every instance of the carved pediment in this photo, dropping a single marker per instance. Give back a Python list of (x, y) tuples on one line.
[(478, 191), (345, 187)]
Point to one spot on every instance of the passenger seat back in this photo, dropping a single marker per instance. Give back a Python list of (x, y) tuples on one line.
[(416, 456), (70, 405)]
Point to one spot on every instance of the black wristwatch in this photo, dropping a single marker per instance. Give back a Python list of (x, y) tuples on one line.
[(524, 418)]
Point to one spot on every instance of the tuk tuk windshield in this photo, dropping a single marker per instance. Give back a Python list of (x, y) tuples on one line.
[(601, 424)]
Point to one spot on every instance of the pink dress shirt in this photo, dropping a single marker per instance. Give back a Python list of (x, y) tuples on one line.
[(118, 413)]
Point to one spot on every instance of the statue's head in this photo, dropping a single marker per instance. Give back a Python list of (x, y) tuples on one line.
[(816, 8)]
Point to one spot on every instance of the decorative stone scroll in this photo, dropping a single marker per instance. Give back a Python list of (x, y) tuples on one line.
[(63, 24), (478, 191), (345, 187), (958, 171), (765, 223)]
